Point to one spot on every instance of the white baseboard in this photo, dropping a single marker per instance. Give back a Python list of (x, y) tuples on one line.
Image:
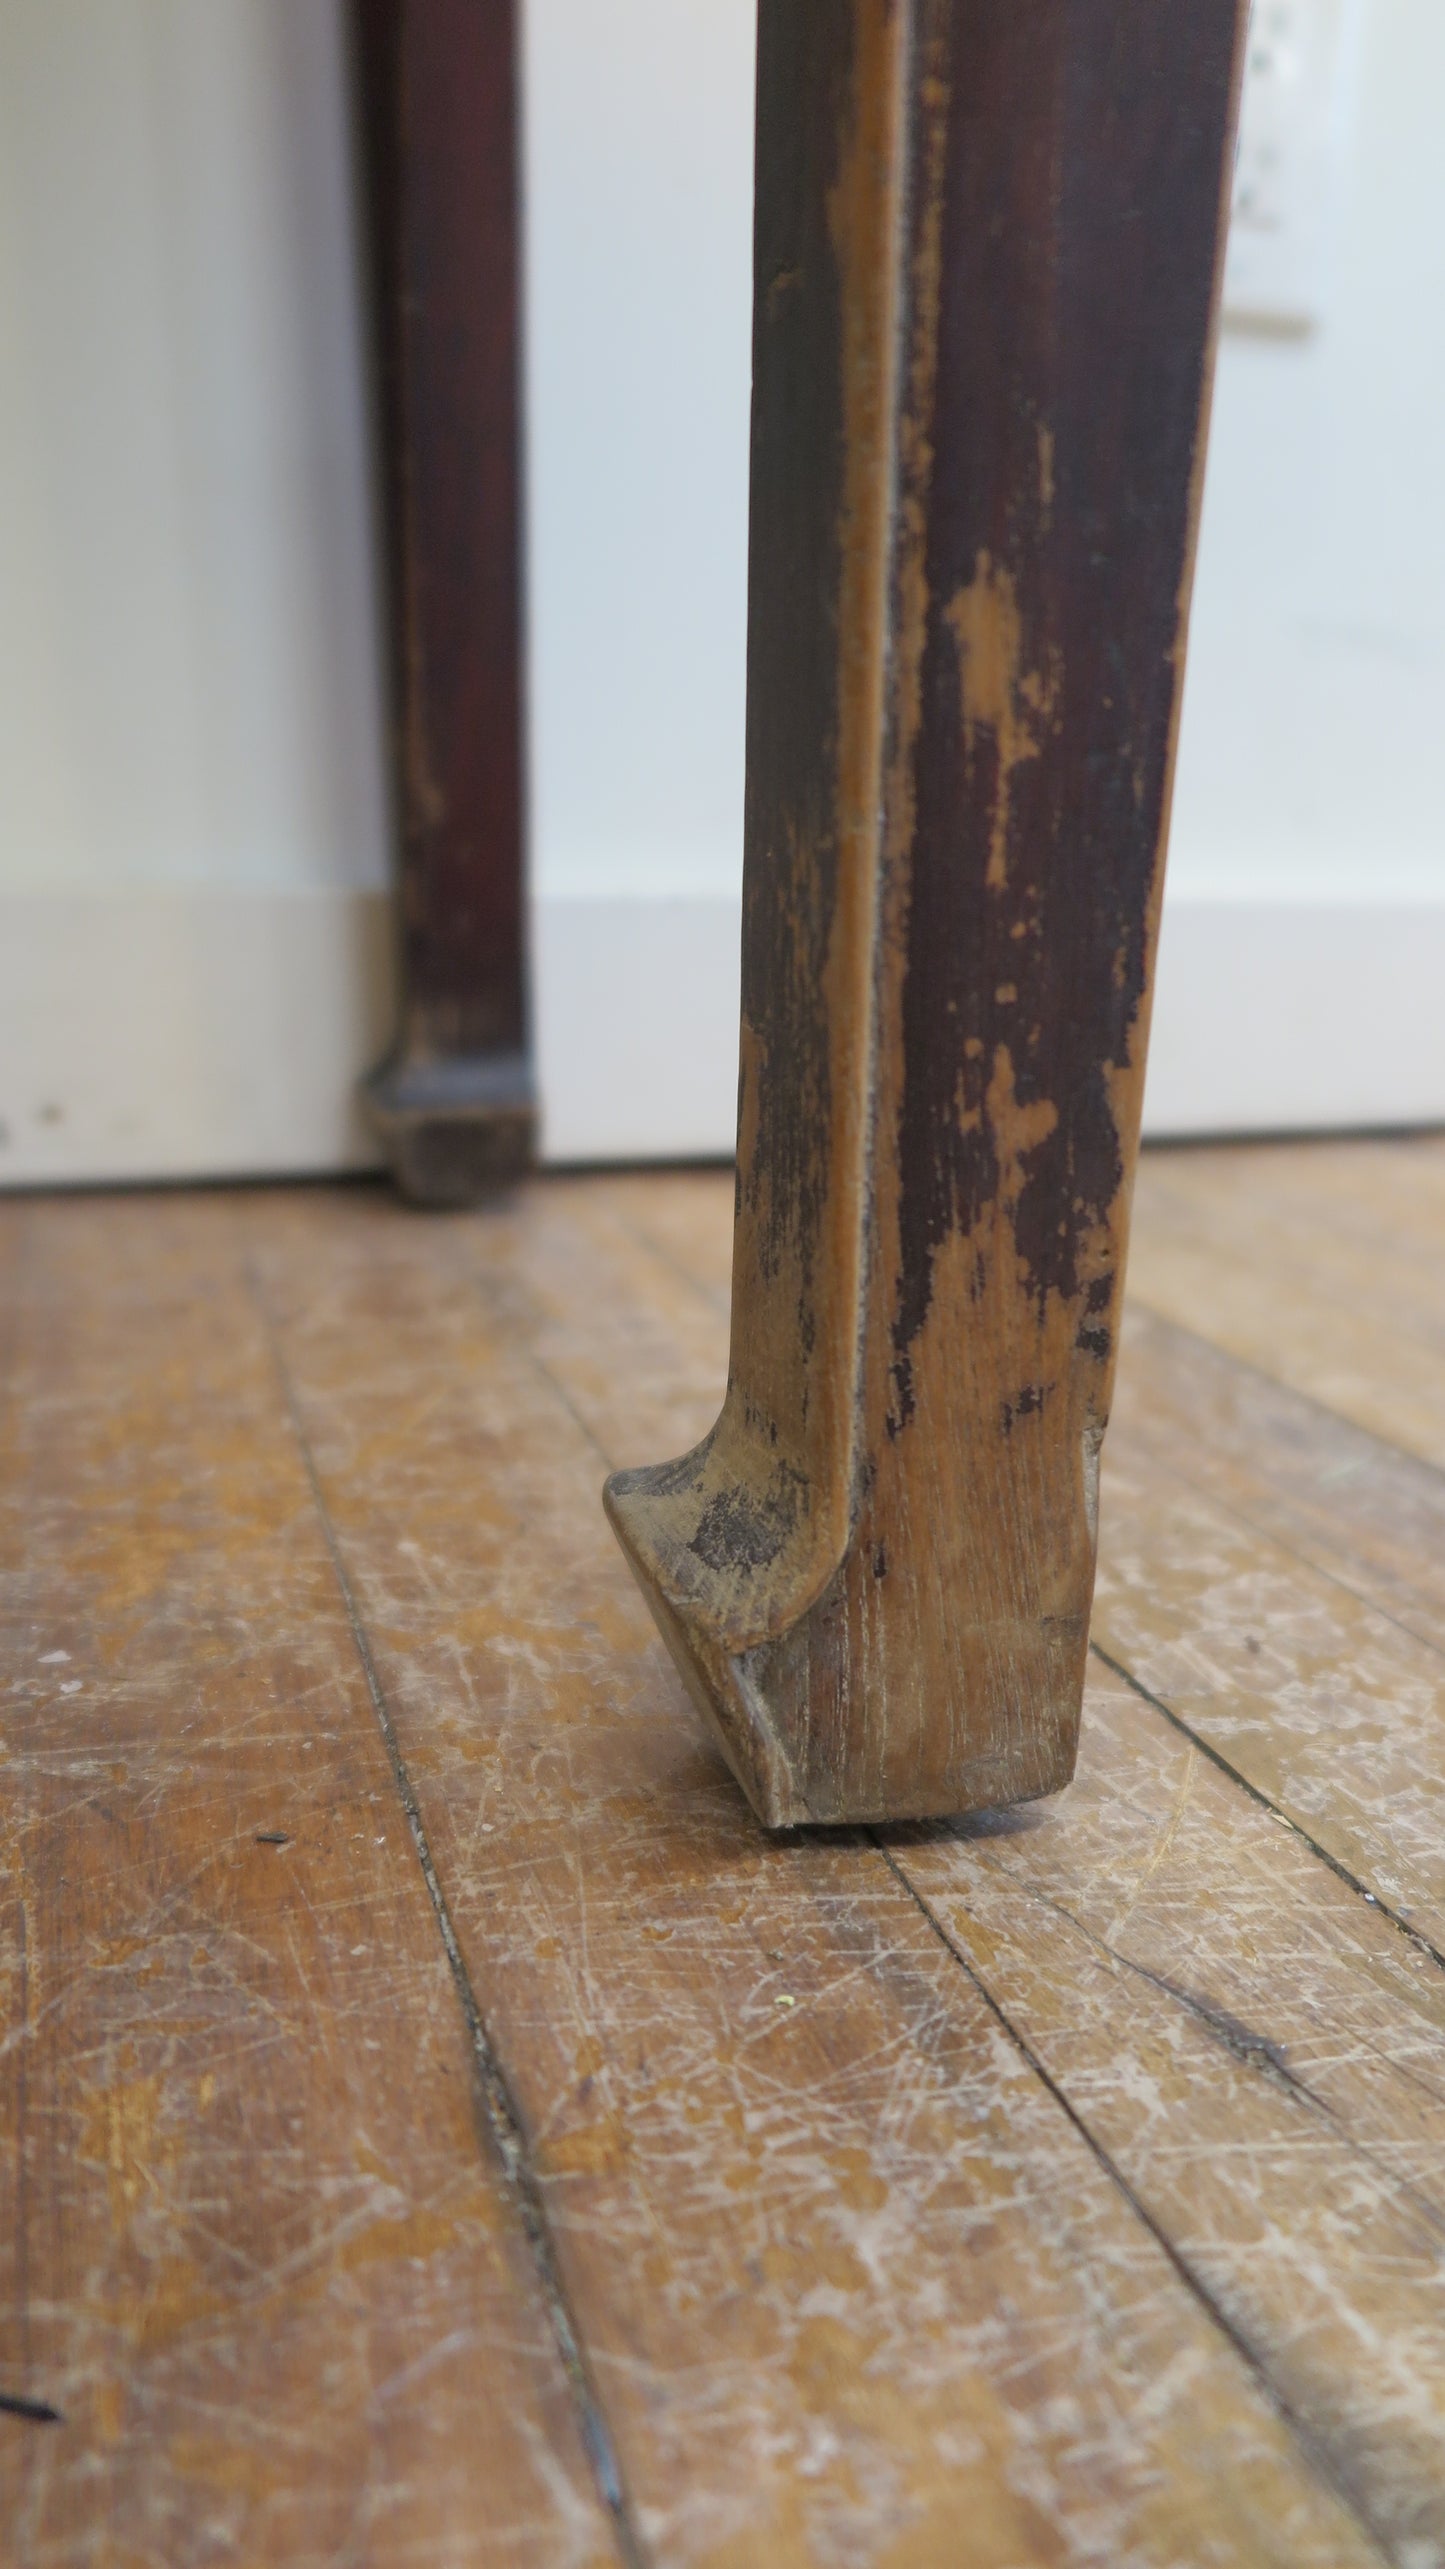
[(177, 1033), (637, 1026), (1281, 1016), (174, 1034), (1272, 1016)]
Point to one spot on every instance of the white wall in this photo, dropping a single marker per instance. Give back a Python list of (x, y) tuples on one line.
[(1315, 699), (188, 667), (189, 698), (1316, 688), (194, 951), (1306, 906), (638, 158)]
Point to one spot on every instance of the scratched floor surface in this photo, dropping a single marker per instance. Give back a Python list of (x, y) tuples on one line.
[(438, 2129)]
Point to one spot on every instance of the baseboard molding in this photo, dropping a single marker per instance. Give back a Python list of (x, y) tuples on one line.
[(182, 1034), (1282, 1016), (1271, 1016), (175, 1033), (636, 1002)]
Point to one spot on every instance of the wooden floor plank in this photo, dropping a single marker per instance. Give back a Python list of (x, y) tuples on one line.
[(1263, 2057), (1322, 1325), (850, 2282), (1279, 2107), (1272, 1565), (1318, 1699), (691, 1216), (1369, 1248), (255, 2250), (689, 1222), (1369, 1516), (1368, 1215), (853, 2285)]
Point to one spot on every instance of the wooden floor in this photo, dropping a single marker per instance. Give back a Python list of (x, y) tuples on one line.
[(439, 2129)]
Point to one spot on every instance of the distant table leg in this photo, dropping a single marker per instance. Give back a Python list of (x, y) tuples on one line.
[(437, 81)]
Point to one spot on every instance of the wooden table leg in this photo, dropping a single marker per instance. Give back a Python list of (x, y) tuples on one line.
[(987, 245), (437, 87)]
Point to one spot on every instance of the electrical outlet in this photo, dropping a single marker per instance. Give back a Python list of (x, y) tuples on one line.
[(1292, 134)]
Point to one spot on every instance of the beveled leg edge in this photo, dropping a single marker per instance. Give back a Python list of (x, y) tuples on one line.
[(735, 1719)]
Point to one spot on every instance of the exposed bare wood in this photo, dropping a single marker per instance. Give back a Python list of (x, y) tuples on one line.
[(1263, 2056), (1311, 1321), (849, 2278), (1069, 2183), (1319, 1699), (256, 2250), (985, 269), (1323, 1202), (1260, 2049), (1363, 1512)]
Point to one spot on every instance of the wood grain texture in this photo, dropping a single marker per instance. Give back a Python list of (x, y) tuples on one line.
[(853, 2284), (1316, 1214), (1368, 1516), (1340, 1310), (1261, 2055), (986, 257), (256, 2245), (1252, 2041), (436, 82), (1309, 1691), (1065, 2185)]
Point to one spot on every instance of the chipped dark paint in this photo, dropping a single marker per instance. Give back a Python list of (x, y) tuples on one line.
[(1060, 309), (1027, 1403)]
